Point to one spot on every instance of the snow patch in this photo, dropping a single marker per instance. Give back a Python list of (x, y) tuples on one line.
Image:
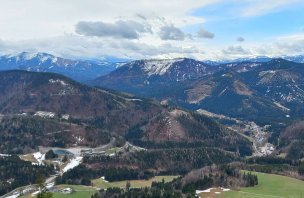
[(54, 60), (159, 67), (50, 185), (133, 99), (281, 106), (45, 114), (262, 73), (72, 164), (5, 155), (28, 55), (65, 116), (52, 81), (204, 191), (44, 58), (35, 193), (14, 196), (217, 190), (39, 157)]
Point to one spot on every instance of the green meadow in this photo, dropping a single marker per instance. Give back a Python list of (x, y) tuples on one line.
[(272, 186)]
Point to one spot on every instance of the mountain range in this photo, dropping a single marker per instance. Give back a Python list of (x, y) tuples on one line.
[(81, 70), (247, 90), (44, 109), (143, 118), (266, 91)]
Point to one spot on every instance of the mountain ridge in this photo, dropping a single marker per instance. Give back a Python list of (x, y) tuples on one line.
[(34, 105), (81, 70), (264, 79)]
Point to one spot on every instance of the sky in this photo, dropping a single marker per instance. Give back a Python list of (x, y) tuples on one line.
[(145, 29)]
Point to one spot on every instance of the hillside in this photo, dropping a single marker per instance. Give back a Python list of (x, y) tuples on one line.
[(292, 140), (52, 110), (228, 94), (246, 90), (154, 77)]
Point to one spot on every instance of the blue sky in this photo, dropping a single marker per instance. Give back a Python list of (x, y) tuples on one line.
[(136, 29), (227, 25)]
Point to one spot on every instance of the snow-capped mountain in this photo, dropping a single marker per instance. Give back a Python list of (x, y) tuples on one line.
[(297, 59), (179, 69), (238, 89), (81, 70), (153, 77), (257, 59)]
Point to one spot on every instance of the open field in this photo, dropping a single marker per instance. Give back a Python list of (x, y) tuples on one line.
[(79, 192), (272, 186), (87, 191), (29, 157), (100, 183)]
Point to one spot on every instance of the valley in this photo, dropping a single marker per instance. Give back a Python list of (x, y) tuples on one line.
[(257, 134), (90, 138), (151, 99)]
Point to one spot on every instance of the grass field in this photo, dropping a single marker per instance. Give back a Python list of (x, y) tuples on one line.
[(28, 157), (270, 186), (112, 150), (87, 191), (100, 183), (80, 192)]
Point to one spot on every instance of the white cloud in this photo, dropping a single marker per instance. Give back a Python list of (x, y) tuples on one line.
[(240, 39), (236, 51), (120, 29), (135, 29), (33, 19), (170, 32), (205, 34), (75, 46), (259, 7)]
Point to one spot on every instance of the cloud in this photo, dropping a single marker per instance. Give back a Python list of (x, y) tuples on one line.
[(143, 29), (236, 50), (290, 44), (240, 39), (170, 32), (141, 16), (259, 7), (205, 34), (120, 29), (80, 47)]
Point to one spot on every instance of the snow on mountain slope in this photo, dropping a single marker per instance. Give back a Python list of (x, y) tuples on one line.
[(81, 70), (159, 67), (170, 69)]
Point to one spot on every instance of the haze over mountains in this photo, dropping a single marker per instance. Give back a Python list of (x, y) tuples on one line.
[(87, 70), (81, 70)]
